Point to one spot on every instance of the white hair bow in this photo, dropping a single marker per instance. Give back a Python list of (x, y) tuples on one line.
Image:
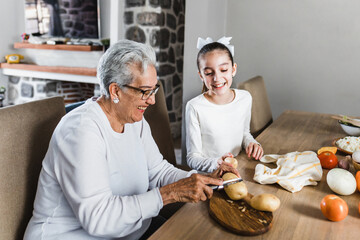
[(224, 40)]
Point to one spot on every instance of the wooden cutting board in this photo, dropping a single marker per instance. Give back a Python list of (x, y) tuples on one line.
[(238, 216)]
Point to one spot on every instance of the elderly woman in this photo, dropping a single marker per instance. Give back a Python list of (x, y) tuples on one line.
[(103, 176)]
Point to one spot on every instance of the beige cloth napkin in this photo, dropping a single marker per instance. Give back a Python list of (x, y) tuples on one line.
[(294, 170)]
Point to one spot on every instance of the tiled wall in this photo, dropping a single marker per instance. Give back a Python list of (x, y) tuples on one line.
[(160, 23)]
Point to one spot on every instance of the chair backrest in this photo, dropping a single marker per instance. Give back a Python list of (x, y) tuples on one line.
[(25, 131), (261, 116), (158, 119)]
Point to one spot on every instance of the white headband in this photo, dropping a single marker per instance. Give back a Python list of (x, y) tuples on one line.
[(224, 40)]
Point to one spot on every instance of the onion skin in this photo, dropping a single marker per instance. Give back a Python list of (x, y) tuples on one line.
[(344, 164)]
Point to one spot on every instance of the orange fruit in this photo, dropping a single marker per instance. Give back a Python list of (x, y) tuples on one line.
[(327, 149), (357, 177)]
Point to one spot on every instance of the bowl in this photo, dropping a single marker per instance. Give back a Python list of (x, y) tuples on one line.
[(349, 129), (356, 165)]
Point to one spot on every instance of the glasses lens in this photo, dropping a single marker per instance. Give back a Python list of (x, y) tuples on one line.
[(147, 94)]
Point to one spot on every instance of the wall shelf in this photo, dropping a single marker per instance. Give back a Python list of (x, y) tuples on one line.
[(75, 74), (54, 69), (66, 47)]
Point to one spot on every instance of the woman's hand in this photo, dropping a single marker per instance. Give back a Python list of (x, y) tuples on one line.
[(192, 189), (254, 150)]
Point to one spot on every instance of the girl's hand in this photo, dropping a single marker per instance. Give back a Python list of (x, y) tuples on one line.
[(254, 150), (221, 160), (224, 168)]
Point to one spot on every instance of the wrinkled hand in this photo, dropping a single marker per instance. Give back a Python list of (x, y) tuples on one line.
[(254, 150), (192, 189), (223, 168)]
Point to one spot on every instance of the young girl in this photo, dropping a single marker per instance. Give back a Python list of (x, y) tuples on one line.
[(218, 120)]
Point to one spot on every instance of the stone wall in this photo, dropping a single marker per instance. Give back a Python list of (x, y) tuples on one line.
[(160, 23), (81, 19), (26, 89)]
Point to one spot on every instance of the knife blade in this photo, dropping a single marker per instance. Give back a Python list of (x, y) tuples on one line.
[(226, 183)]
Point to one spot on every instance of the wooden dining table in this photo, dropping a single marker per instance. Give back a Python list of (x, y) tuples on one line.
[(299, 215)]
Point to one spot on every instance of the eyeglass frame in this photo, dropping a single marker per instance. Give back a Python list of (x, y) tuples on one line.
[(144, 92)]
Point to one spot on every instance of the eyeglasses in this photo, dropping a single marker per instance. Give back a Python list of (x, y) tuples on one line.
[(146, 94)]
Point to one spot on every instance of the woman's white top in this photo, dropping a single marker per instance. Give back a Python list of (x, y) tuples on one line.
[(213, 130), (96, 183)]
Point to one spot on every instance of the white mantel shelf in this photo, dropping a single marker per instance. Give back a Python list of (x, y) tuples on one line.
[(73, 74), (86, 48)]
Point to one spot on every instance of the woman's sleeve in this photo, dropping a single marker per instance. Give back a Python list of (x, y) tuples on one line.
[(248, 138), (161, 172), (195, 158), (82, 172)]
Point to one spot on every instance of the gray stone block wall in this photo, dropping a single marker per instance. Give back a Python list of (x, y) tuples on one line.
[(81, 18), (160, 23)]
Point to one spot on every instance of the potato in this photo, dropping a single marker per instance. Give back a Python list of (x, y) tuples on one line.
[(235, 191), (232, 161), (265, 202)]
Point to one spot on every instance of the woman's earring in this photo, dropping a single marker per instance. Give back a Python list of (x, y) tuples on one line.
[(115, 100)]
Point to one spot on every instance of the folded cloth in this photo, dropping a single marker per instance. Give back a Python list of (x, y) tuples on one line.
[(294, 170)]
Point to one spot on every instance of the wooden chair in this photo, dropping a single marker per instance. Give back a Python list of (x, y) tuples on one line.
[(261, 116), (25, 131)]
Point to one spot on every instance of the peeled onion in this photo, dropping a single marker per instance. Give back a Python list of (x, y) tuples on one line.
[(341, 181), (356, 156)]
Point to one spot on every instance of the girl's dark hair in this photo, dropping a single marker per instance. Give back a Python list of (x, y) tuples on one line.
[(209, 48)]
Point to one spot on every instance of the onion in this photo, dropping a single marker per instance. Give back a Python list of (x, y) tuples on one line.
[(356, 156), (341, 181)]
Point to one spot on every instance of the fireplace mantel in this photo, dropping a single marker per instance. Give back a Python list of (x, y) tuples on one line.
[(42, 55), (73, 74)]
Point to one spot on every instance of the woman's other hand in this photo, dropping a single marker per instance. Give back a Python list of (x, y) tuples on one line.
[(254, 150), (192, 189)]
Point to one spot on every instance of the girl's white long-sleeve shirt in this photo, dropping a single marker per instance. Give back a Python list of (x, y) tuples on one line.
[(96, 183), (213, 130)]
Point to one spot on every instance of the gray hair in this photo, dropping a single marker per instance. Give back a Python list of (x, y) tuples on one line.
[(114, 65)]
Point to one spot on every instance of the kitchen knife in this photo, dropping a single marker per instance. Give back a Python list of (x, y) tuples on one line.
[(225, 183)]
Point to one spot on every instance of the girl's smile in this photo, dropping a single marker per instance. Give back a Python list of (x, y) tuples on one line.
[(216, 71)]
